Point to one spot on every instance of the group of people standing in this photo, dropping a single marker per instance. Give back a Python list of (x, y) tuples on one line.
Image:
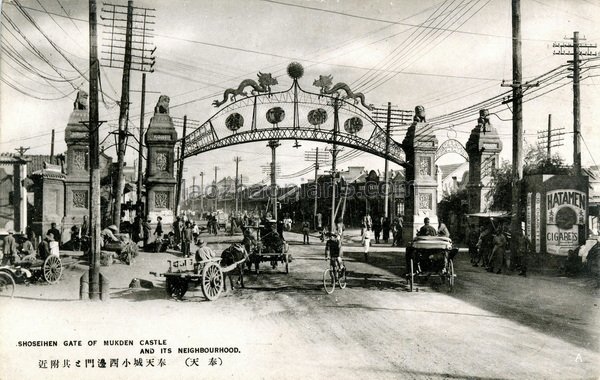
[(488, 247)]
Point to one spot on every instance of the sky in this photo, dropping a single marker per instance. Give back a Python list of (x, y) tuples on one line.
[(444, 55)]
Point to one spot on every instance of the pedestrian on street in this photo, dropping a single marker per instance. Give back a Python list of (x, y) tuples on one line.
[(177, 227), (485, 246), (146, 232), (305, 231), (366, 242), (498, 252), (473, 239), (158, 231), (385, 226), (54, 231), (195, 231), (377, 228), (187, 237), (10, 249)]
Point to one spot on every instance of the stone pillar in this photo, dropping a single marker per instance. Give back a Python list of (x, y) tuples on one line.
[(49, 195), (484, 147), (420, 145), (160, 170), (77, 180)]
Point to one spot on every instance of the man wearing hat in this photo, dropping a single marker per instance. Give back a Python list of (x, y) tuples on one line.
[(204, 252), (10, 248), (427, 229), (333, 249), (108, 234)]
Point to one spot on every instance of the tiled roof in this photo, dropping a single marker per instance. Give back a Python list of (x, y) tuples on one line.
[(36, 162)]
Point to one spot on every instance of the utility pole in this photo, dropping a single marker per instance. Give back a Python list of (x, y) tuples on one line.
[(216, 189), (273, 144), (180, 154), (201, 193), (52, 147), (141, 142), (549, 134), (517, 146), (315, 208), (387, 151), (123, 117), (93, 125), (237, 162), (195, 193), (393, 117), (550, 137), (334, 151), (319, 159), (577, 53)]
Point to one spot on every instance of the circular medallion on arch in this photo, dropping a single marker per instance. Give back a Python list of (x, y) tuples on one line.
[(295, 70), (275, 115), (234, 122), (317, 117), (353, 125)]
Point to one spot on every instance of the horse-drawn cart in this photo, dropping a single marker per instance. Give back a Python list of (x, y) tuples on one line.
[(209, 274), (429, 256), (271, 248)]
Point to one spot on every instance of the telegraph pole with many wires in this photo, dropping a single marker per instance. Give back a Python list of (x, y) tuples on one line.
[(564, 49), (391, 116), (201, 193), (216, 189), (550, 138), (181, 154), (517, 146), (313, 155), (119, 26)]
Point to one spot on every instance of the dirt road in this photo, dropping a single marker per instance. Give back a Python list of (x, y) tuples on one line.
[(287, 327)]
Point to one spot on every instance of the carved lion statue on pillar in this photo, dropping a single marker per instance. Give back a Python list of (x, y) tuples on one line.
[(162, 106), (81, 101), (419, 114)]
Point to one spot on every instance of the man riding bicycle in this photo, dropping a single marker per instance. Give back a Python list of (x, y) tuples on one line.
[(333, 249)]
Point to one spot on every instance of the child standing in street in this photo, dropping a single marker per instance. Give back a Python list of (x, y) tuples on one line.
[(366, 242)]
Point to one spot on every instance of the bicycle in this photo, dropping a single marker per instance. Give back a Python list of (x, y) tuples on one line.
[(334, 274)]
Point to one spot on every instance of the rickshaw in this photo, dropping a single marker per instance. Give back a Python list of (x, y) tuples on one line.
[(428, 256)]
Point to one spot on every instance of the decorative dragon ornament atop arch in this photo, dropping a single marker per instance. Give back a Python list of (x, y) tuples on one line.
[(325, 82), (265, 81)]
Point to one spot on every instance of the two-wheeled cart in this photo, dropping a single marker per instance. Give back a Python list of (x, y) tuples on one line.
[(429, 256), (270, 248), (209, 274)]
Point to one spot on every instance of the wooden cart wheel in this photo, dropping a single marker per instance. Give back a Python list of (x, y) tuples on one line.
[(7, 285), (52, 269), (176, 287), (212, 281), (411, 276), (450, 274)]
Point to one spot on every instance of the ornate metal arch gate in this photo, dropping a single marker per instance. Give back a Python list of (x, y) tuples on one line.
[(312, 116)]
